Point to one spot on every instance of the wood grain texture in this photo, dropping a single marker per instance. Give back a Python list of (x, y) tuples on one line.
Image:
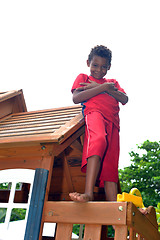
[(54, 125), (104, 213)]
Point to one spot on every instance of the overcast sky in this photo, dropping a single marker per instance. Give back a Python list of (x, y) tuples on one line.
[(44, 45)]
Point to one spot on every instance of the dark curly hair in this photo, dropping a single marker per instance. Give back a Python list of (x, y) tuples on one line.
[(100, 51)]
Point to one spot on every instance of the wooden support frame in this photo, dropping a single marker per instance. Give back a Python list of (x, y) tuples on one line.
[(124, 216), (36, 204), (104, 213)]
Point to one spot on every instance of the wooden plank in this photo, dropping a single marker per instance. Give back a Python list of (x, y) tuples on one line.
[(68, 175), (46, 138), (29, 130), (82, 139), (25, 163), (35, 122), (19, 103), (26, 151), (32, 116), (139, 237), (20, 140), (77, 145), (92, 232), (64, 231), (152, 216), (6, 108), (120, 233), (42, 117), (69, 128), (132, 234), (17, 163), (104, 213), (10, 94), (141, 224), (47, 112), (36, 204), (48, 164), (58, 148)]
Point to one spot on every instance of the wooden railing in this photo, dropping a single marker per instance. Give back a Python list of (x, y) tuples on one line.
[(128, 221)]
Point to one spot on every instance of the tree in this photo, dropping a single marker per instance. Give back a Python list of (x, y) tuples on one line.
[(144, 173)]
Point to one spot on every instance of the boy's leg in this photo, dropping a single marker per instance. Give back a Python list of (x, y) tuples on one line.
[(93, 151), (93, 167), (111, 190)]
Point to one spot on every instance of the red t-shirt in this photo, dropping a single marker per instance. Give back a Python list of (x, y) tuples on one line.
[(107, 105)]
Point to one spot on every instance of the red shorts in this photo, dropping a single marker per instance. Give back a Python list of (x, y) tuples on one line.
[(102, 139)]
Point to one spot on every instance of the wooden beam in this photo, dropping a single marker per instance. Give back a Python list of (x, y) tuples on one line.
[(69, 128), (141, 224), (64, 231), (121, 233), (76, 145), (104, 213), (82, 139), (49, 164), (40, 138), (68, 175), (58, 148), (36, 204), (132, 234), (92, 231), (22, 159)]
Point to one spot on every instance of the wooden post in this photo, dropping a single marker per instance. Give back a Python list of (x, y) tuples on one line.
[(92, 231), (121, 232), (64, 231), (36, 204)]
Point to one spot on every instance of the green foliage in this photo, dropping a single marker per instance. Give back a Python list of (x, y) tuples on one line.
[(158, 215), (17, 214), (144, 173), (76, 228), (4, 185), (2, 214)]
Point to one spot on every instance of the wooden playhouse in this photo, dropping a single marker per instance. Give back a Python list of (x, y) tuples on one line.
[(51, 142)]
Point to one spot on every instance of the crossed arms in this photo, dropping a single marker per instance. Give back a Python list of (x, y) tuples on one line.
[(91, 89)]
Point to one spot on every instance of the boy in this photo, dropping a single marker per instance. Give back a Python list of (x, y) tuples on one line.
[(100, 98)]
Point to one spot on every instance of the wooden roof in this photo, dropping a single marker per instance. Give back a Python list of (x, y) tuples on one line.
[(53, 125), (12, 102)]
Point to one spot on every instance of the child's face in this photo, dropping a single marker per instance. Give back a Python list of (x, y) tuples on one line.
[(98, 67)]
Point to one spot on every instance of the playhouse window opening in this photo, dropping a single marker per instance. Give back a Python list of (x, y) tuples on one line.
[(2, 214), (5, 186), (17, 214), (22, 192)]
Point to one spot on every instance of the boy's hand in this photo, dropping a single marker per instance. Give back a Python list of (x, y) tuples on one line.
[(110, 87), (86, 86)]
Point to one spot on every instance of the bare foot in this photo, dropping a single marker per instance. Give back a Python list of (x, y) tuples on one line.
[(78, 197)]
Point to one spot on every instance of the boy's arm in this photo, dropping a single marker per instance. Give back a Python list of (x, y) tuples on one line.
[(119, 96), (89, 90)]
